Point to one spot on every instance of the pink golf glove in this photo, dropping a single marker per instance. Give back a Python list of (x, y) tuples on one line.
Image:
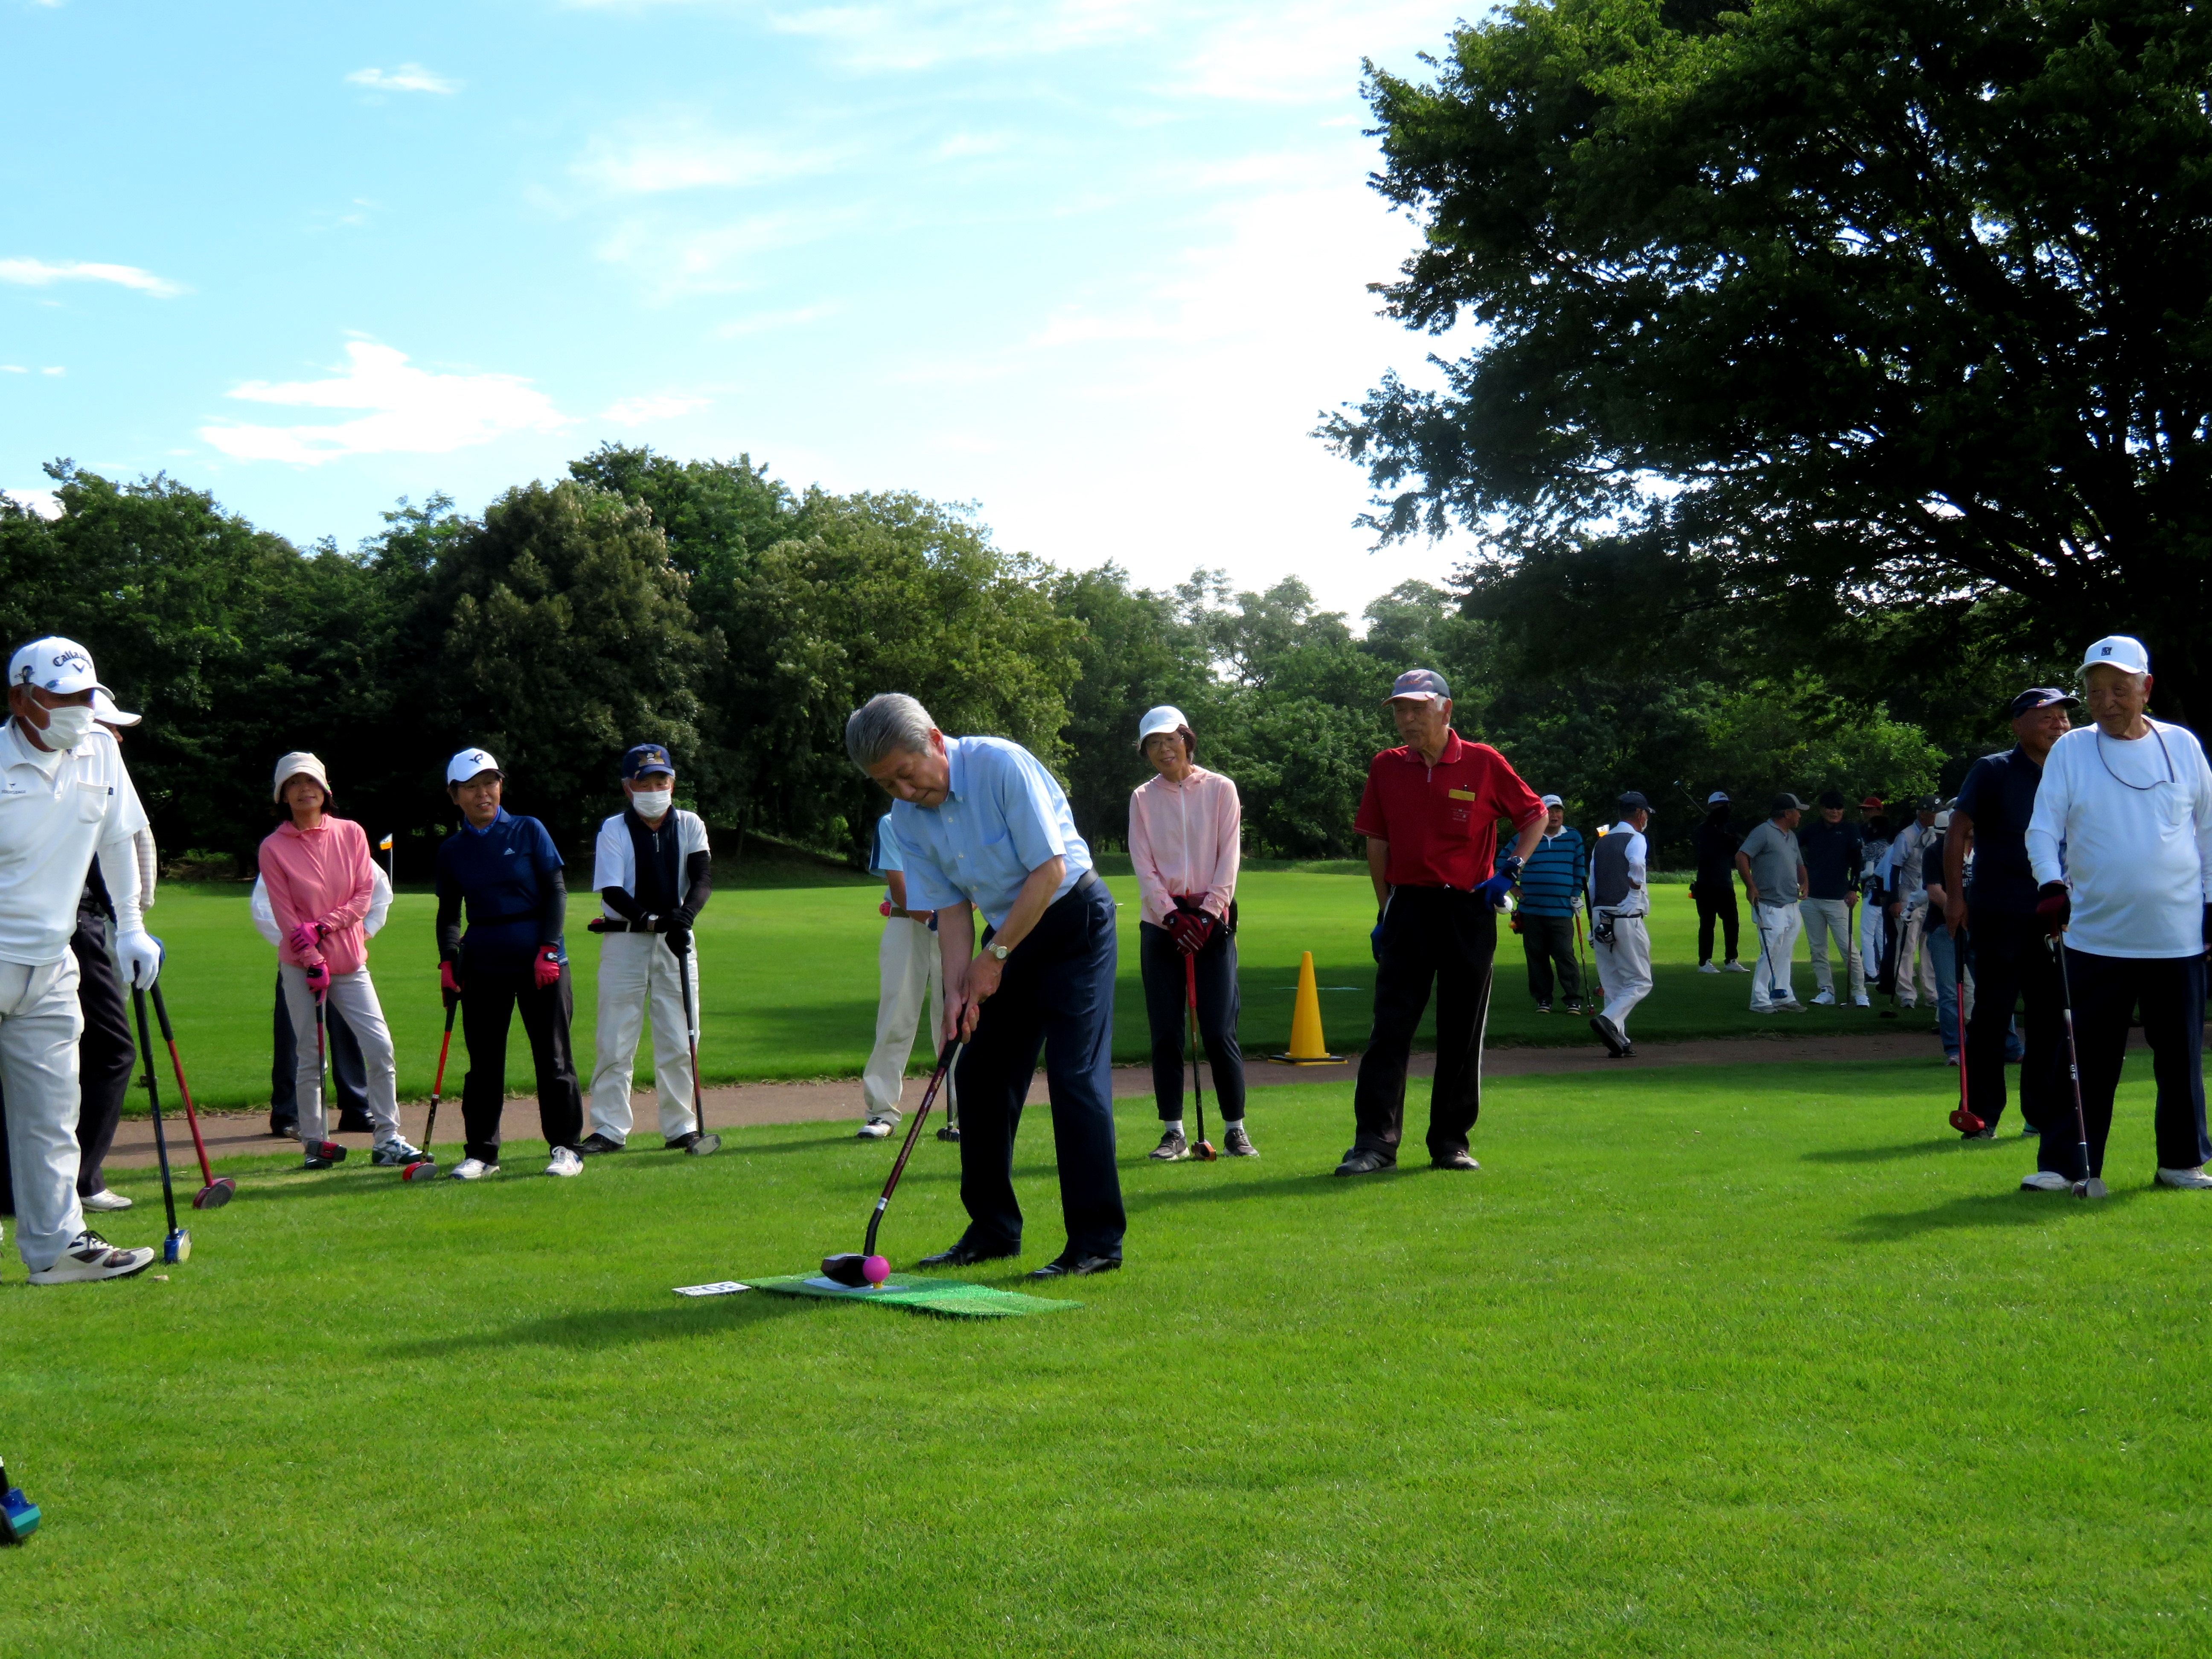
[(446, 982), (318, 978), (304, 940), (547, 969)]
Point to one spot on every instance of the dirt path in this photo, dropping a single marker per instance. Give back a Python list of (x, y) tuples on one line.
[(839, 1099)]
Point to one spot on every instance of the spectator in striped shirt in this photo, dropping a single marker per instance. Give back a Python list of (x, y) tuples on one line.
[(1550, 891)]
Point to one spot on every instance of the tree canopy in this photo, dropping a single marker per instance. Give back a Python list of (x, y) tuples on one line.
[(1830, 308)]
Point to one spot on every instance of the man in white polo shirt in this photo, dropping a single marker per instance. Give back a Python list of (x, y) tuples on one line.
[(64, 800), (2121, 843)]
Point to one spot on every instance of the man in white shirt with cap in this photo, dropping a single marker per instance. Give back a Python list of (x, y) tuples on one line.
[(66, 799), (2121, 843), (1620, 900)]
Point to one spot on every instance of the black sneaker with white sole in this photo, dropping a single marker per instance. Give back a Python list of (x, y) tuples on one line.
[(1235, 1143), (595, 1142), (1172, 1146), (90, 1257)]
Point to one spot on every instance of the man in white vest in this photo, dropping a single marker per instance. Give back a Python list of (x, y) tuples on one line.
[(1620, 900)]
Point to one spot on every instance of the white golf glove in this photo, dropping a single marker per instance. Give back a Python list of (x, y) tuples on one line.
[(140, 954)]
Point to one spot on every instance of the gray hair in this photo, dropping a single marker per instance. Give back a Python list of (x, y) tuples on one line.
[(889, 723)]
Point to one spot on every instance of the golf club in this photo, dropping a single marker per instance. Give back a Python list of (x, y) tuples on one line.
[(1964, 1120), (19, 1516), (217, 1190), (701, 1145), (325, 1147), (2087, 1186), (868, 1268), (426, 1167), (1200, 1149), (178, 1246)]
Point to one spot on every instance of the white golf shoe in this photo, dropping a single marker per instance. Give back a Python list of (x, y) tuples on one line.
[(105, 1201), (565, 1162), (1825, 999), (2045, 1181), (471, 1168), (89, 1257), (1707, 968), (1735, 968), (1860, 1002), (2192, 1180), (395, 1154), (875, 1128)]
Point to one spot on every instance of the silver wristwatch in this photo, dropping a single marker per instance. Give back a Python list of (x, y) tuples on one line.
[(1002, 951)]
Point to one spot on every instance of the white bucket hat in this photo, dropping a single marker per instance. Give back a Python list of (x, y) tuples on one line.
[(298, 763)]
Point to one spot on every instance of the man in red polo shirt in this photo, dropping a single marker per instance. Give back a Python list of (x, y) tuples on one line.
[(1431, 818)]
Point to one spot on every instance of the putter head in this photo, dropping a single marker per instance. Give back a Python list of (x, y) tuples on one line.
[(1204, 1153), (849, 1268), (705, 1146), (177, 1247), (1966, 1122), (216, 1193), (2092, 1187), (422, 1168), (19, 1516)]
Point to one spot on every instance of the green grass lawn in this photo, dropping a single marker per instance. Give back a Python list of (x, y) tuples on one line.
[(1709, 1361), (788, 986)]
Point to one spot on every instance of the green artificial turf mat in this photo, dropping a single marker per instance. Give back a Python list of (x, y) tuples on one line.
[(956, 1299)]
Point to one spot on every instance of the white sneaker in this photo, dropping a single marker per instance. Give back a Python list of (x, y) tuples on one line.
[(1790, 1005), (1860, 1002), (2194, 1180), (1825, 999), (875, 1128), (2046, 1181), (473, 1168), (1707, 968), (88, 1257), (565, 1162), (105, 1201), (1735, 968)]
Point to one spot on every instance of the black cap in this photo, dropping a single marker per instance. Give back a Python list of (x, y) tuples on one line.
[(1926, 803), (1830, 798), (1784, 802), (2040, 697), (1633, 801)]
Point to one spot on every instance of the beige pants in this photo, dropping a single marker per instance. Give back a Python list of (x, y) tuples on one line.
[(39, 1025), (1826, 919), (1624, 968), (635, 971), (911, 976), (1911, 974)]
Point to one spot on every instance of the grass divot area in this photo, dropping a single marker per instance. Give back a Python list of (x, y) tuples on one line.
[(1745, 1360)]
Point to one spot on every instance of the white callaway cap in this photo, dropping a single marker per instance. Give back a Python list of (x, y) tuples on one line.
[(56, 664), (1165, 718), (105, 711), (469, 762), (2120, 651), (1553, 800)]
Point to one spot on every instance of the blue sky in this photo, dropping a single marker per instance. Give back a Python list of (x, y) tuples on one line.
[(1095, 266)]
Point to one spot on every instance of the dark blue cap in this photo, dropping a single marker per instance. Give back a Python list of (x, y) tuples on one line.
[(647, 757), (1633, 801), (1423, 683)]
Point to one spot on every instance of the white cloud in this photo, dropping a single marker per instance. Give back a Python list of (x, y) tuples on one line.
[(39, 273), (413, 411), (408, 77), (44, 502), (639, 411), (688, 157), (764, 321), (678, 258)]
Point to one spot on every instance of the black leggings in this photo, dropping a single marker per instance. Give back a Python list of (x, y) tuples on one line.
[(1162, 961)]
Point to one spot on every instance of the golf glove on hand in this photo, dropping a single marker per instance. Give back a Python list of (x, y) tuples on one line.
[(446, 981), (305, 939), (2054, 907), (318, 978), (140, 954), (1505, 874), (546, 970)]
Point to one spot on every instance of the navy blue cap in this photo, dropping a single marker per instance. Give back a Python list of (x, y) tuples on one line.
[(647, 757), (1633, 801), (1423, 683), (2040, 696)]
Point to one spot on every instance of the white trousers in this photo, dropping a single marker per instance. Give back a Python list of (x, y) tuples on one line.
[(1873, 936), (1826, 919), (637, 969), (353, 996), (1777, 937), (911, 974), (1911, 944), (1623, 969), (39, 1025)]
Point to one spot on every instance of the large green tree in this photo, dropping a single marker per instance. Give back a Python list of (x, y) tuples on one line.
[(1850, 306)]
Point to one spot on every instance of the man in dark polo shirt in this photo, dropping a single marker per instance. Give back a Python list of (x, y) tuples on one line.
[(1431, 818), (2011, 962)]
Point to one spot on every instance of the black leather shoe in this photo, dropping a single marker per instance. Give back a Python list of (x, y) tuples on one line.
[(595, 1142), (355, 1122), (1365, 1161), (1609, 1034), (1455, 1161), (963, 1254), (1077, 1266)]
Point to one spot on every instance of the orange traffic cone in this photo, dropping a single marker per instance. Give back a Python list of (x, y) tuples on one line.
[(1307, 1046)]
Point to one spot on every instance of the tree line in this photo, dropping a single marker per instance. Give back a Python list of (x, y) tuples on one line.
[(709, 606)]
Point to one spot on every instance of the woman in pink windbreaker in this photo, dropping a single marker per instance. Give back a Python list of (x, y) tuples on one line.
[(1184, 830), (317, 873)]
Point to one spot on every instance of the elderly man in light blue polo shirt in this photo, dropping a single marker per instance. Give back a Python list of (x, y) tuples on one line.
[(984, 826)]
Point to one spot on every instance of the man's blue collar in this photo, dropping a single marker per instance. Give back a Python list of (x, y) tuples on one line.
[(488, 828)]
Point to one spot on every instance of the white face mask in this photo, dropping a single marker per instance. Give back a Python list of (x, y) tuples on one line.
[(67, 725), (652, 803)]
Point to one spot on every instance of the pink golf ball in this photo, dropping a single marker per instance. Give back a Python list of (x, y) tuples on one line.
[(875, 1270)]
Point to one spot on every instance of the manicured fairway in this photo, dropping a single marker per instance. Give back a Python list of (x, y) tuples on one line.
[(1746, 1361), (789, 980)]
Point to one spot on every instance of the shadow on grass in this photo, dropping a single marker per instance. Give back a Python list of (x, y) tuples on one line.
[(2013, 1208), (1884, 1154), (1311, 1186), (617, 1328)]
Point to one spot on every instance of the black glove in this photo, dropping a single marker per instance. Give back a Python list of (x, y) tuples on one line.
[(2054, 907)]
